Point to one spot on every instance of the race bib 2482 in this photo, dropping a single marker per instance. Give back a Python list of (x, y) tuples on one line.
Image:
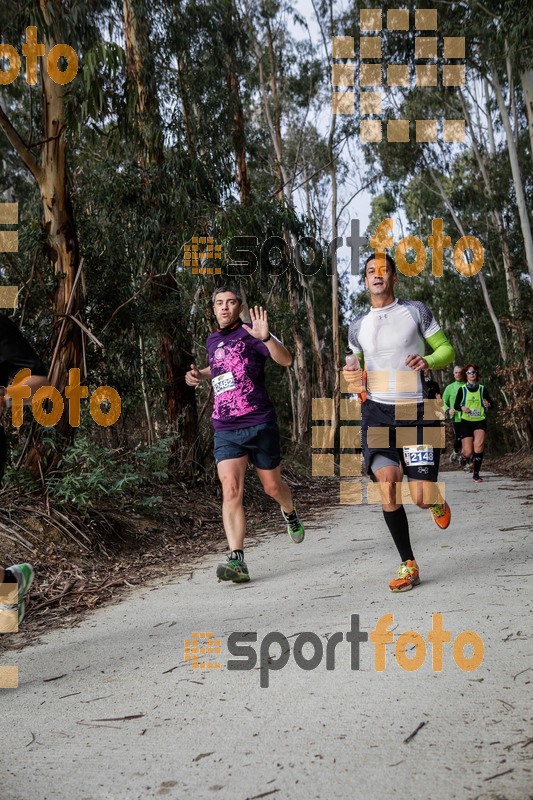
[(223, 383)]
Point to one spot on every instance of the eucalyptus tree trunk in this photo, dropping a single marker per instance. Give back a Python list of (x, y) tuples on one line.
[(517, 177), (511, 282), (238, 134), (479, 275), (527, 85), (60, 238), (141, 82), (180, 400), (273, 119), (334, 273)]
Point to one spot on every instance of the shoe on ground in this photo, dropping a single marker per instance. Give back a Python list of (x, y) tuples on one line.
[(477, 479), (407, 577), (295, 529), (441, 514), (24, 575), (453, 457), (233, 570)]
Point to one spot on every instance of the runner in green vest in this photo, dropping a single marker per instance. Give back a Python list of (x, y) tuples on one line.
[(449, 395), (472, 401)]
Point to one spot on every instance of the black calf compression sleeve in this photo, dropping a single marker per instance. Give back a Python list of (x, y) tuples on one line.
[(478, 458), (399, 527)]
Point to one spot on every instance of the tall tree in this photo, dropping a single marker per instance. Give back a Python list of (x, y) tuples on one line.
[(51, 175), (144, 102)]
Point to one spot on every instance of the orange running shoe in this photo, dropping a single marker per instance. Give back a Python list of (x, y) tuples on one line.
[(407, 577), (441, 514)]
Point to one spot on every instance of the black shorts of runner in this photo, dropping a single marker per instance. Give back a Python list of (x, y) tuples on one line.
[(469, 426), (260, 442), (419, 463)]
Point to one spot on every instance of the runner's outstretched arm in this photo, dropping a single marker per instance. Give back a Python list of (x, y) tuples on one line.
[(443, 352), (278, 352), (195, 375)]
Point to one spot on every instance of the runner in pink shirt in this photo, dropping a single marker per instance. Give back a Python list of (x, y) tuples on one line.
[(244, 419)]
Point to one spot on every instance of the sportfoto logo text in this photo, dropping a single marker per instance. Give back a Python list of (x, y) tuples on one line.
[(246, 255), (32, 50), (275, 649)]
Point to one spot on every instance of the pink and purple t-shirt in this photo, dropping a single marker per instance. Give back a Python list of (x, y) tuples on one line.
[(237, 362)]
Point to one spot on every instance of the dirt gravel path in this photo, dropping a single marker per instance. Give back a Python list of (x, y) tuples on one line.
[(111, 710)]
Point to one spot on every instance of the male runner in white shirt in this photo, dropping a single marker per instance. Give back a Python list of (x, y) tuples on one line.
[(390, 340)]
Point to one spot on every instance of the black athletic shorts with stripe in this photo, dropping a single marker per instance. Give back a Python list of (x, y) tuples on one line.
[(418, 462)]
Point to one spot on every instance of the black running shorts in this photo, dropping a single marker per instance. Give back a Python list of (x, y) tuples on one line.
[(469, 426), (419, 462)]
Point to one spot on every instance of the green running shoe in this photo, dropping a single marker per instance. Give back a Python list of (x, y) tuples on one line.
[(233, 570), (295, 529), (24, 575)]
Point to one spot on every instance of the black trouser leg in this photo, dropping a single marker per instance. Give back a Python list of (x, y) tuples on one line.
[(457, 437)]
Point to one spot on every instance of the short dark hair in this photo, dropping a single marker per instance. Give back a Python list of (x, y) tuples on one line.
[(227, 288), (388, 260)]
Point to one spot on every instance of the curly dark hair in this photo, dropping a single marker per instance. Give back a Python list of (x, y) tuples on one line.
[(470, 366)]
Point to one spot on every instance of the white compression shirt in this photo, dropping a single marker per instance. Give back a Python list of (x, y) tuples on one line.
[(385, 337)]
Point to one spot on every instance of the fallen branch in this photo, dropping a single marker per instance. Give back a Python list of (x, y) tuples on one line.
[(413, 734)]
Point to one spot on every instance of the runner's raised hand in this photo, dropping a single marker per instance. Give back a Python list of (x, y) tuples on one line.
[(259, 320)]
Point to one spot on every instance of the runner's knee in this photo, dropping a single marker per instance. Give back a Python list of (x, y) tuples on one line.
[(273, 488), (231, 489), (389, 492)]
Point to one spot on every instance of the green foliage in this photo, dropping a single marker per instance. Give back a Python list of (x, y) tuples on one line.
[(134, 211), (89, 475)]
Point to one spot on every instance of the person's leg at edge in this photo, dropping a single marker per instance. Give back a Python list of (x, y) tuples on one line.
[(231, 474), (479, 446), (21, 574)]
